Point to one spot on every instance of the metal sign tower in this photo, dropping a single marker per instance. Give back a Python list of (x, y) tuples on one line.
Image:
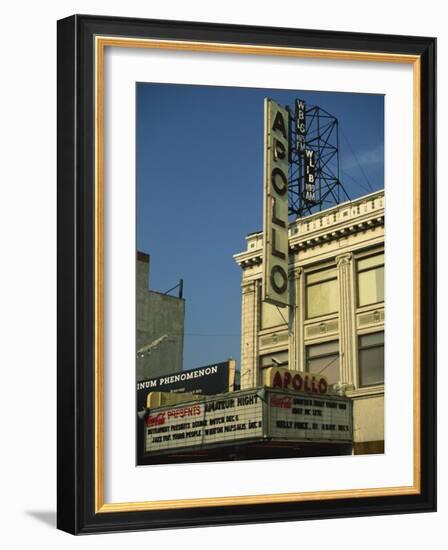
[(313, 182)]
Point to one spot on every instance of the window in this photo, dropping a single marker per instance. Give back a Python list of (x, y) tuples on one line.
[(274, 359), (371, 359), (324, 359), (273, 316), (371, 280), (322, 295)]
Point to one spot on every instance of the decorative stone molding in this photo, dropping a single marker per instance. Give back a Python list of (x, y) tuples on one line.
[(304, 243), (248, 288), (295, 273), (324, 327), (344, 259)]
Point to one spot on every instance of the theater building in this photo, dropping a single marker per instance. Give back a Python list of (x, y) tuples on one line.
[(334, 322)]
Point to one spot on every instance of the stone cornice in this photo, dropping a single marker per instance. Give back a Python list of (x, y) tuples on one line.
[(299, 243), (249, 259), (360, 215), (303, 242)]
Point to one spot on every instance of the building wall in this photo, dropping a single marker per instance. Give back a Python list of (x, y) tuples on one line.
[(160, 322), (336, 308)]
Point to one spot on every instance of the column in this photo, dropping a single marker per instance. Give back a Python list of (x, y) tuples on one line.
[(347, 328), (295, 359), (250, 321)]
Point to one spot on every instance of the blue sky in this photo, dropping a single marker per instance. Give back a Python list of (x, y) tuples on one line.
[(200, 191)]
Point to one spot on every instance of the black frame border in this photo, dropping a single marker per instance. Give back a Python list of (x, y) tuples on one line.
[(76, 263)]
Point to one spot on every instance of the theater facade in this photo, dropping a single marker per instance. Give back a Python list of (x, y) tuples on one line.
[(333, 323)]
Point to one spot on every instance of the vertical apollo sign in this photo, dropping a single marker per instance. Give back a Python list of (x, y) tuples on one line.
[(275, 226)]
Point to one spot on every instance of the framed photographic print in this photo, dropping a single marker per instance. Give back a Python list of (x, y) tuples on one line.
[(246, 274)]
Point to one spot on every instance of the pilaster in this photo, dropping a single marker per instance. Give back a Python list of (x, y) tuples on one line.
[(250, 321), (347, 321), (296, 318)]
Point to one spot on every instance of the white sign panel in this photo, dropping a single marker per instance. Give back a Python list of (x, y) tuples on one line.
[(310, 177), (300, 125), (310, 417), (205, 422), (275, 226)]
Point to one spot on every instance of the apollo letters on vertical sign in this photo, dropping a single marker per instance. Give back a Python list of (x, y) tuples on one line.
[(275, 226)]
